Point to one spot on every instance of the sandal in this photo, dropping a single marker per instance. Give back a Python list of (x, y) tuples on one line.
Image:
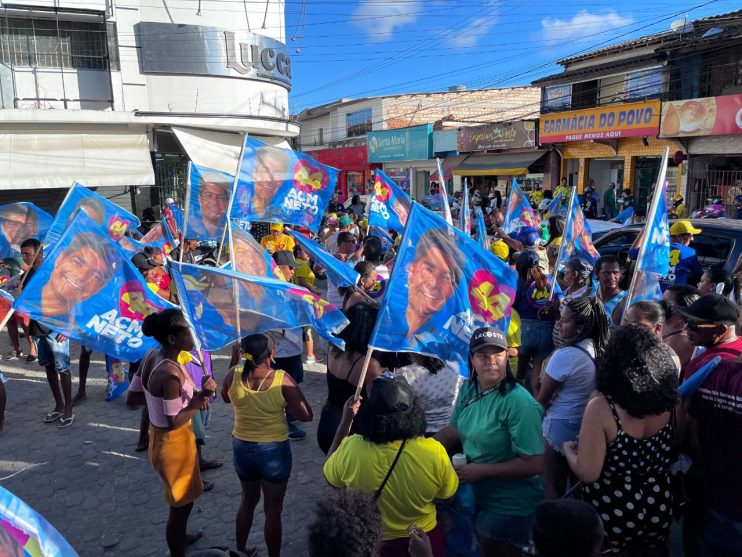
[(193, 537), (208, 486), (211, 464), (52, 417), (66, 422)]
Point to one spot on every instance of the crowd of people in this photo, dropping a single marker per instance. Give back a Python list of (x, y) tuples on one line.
[(585, 428)]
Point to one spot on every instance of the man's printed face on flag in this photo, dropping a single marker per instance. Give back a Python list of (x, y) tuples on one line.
[(248, 260), (80, 272), (14, 227), (430, 283), (270, 172), (213, 199)]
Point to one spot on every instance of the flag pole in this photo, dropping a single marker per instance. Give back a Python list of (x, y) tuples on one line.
[(567, 226), (658, 189), (231, 203), (364, 370), (186, 316), (185, 216)]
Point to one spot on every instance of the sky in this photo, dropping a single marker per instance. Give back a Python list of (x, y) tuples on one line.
[(360, 48)]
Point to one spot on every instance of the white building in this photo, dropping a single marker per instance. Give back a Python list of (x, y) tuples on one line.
[(89, 90)]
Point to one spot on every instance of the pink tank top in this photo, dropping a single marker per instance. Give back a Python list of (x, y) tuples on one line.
[(158, 407)]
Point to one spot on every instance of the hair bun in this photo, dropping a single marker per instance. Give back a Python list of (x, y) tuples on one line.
[(150, 324)]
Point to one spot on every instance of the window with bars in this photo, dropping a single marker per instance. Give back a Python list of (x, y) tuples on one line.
[(47, 43)]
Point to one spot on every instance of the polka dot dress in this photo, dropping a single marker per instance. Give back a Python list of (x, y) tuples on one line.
[(632, 495)]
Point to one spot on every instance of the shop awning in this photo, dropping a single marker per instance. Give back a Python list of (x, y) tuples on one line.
[(449, 164), (500, 164), (35, 159)]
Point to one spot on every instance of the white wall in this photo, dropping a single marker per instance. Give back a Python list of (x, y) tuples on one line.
[(85, 89)]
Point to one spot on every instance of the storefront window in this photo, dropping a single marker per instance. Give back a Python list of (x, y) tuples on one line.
[(358, 123), (355, 183)]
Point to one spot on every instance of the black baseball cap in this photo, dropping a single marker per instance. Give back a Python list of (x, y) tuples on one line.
[(391, 395), (284, 257), (487, 336), (711, 308)]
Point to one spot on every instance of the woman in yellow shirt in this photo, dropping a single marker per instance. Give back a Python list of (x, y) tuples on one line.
[(260, 397)]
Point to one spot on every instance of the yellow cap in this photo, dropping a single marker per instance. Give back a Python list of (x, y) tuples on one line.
[(276, 226), (500, 249), (683, 227)]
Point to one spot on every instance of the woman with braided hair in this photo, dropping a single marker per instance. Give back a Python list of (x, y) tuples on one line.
[(568, 381)]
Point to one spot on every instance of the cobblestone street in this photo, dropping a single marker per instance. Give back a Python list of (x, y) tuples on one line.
[(105, 499)]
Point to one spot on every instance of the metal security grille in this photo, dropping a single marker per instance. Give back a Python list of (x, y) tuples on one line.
[(47, 43), (706, 184)]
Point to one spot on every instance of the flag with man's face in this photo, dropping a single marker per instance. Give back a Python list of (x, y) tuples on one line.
[(106, 214), (210, 191), (224, 306), (25, 533), (578, 236), (443, 287), (88, 290), (558, 206), (518, 212), (338, 272), (390, 205), (282, 185), (19, 222), (248, 257)]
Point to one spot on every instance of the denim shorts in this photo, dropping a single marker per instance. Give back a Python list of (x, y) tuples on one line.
[(54, 353), (535, 338), (506, 529), (557, 431), (262, 461)]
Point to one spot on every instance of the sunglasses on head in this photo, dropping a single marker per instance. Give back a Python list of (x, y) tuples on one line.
[(693, 326)]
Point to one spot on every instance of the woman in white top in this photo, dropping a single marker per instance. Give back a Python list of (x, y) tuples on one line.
[(568, 381), (435, 385)]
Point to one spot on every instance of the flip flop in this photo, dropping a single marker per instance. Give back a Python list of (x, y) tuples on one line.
[(193, 537), (52, 417), (211, 464), (66, 422), (208, 486)]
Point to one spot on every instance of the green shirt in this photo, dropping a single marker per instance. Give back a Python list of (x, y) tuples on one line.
[(497, 428)]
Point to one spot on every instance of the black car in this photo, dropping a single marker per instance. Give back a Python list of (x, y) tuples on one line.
[(720, 243)]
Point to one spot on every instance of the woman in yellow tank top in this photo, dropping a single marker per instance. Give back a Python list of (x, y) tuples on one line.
[(260, 397)]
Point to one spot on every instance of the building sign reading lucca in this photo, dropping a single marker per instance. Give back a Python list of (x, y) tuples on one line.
[(508, 135), (197, 50), (609, 122)]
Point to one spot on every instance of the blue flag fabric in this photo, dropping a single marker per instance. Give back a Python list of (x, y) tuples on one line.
[(558, 206), (281, 185), (117, 383), (444, 286), (390, 204), (465, 212), (647, 287), (132, 246), (24, 532), (210, 191), (224, 306), (577, 237), (656, 257), (250, 258), (18, 222), (339, 273), (88, 290), (518, 212), (387, 242), (482, 236), (177, 215), (106, 214)]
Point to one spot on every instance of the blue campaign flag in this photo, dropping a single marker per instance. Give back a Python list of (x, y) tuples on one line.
[(518, 212), (482, 236), (443, 287), (25, 533), (224, 306), (647, 287), (390, 205), (281, 185), (106, 214), (88, 290), (387, 242), (465, 212), (210, 191), (132, 246), (444, 193), (177, 215), (558, 206), (656, 256), (18, 222), (338, 272), (577, 238)]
